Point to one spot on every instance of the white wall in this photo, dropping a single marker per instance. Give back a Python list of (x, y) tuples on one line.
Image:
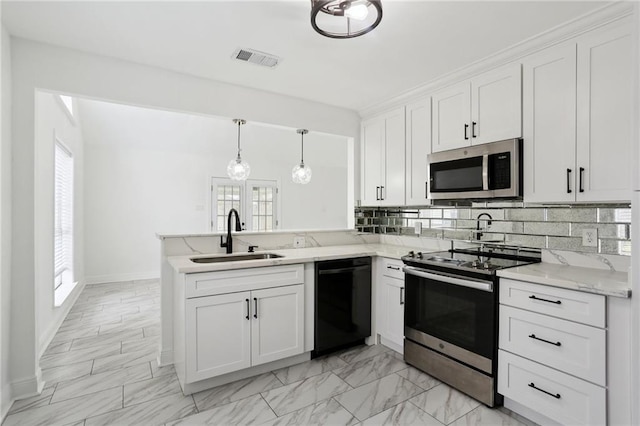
[(52, 122), (5, 219), (40, 66), (147, 171)]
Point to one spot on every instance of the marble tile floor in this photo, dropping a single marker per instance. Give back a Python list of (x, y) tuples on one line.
[(101, 369)]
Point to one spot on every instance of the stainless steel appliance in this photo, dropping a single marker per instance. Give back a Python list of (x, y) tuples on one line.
[(342, 304), (451, 326), (492, 170)]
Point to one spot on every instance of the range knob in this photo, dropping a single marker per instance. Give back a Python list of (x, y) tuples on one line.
[(419, 255), (486, 265), (474, 264), (412, 254)]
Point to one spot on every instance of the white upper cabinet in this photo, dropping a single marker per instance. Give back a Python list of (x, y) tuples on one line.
[(604, 115), (451, 113), (372, 151), (549, 131), (383, 157), (577, 112), (496, 105), (418, 146), (487, 108)]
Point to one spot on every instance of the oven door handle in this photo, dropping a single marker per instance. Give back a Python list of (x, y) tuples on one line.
[(478, 285)]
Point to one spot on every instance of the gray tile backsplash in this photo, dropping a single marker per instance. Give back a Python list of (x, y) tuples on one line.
[(540, 226)]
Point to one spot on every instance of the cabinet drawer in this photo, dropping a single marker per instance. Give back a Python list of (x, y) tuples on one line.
[(557, 395), (574, 348), (586, 308), (392, 268), (231, 281)]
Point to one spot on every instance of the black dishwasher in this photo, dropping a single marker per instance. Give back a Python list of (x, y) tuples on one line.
[(342, 304)]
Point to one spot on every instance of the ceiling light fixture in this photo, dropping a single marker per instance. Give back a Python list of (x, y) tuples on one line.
[(345, 18), (301, 173), (238, 169)]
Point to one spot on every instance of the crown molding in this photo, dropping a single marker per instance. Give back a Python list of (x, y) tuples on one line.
[(561, 33)]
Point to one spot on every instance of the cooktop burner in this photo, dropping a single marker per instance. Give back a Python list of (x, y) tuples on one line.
[(485, 261)]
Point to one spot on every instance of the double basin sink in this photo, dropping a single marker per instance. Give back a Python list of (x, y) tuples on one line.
[(235, 257)]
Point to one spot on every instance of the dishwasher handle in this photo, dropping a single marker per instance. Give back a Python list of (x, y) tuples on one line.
[(343, 270)]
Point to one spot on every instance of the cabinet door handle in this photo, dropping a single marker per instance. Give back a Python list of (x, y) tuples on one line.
[(395, 268), (533, 336), (473, 129), (401, 296), (555, 395), (557, 302), (377, 193), (426, 190), (466, 127), (255, 306), (381, 193), (581, 187), (248, 308), (569, 181)]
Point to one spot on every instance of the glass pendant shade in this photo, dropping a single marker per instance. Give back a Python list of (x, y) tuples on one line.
[(345, 18), (238, 169), (301, 173)]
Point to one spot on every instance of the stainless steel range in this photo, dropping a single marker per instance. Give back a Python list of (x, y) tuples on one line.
[(451, 326)]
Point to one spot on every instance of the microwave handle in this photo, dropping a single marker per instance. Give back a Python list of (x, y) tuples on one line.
[(485, 172)]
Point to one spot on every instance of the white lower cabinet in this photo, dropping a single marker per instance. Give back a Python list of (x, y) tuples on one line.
[(277, 326), (221, 332), (218, 335), (391, 304), (230, 332), (558, 396), (551, 358)]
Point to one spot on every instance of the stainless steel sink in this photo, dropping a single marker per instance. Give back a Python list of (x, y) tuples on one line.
[(235, 257)]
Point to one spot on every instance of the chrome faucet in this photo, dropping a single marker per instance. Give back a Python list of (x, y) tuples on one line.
[(478, 233), (229, 242)]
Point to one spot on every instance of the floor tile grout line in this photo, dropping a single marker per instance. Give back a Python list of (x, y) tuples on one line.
[(269, 405)]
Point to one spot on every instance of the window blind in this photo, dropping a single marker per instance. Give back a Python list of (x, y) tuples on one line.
[(63, 195)]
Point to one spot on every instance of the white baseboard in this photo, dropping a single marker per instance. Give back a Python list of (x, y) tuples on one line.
[(28, 387), (114, 278), (5, 401), (165, 358)]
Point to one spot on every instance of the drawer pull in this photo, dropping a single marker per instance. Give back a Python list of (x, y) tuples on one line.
[(401, 296), (395, 268), (533, 336), (248, 308), (557, 302), (255, 303), (556, 395)]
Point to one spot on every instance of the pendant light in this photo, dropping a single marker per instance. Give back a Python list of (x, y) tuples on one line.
[(301, 173), (345, 18), (238, 169)]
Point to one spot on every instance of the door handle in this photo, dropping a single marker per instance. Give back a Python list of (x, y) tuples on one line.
[(401, 295), (581, 188), (466, 127), (381, 193), (473, 129), (556, 395), (377, 193), (569, 181), (255, 305), (248, 308), (395, 268), (533, 336), (557, 302)]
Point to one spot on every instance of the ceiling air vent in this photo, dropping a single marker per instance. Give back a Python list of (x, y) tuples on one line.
[(256, 57)]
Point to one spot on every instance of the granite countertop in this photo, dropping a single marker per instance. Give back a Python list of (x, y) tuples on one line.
[(589, 280), (182, 264)]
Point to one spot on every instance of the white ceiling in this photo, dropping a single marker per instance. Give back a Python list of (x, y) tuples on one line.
[(417, 41)]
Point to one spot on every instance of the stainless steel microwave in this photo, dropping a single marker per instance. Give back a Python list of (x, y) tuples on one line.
[(491, 170)]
